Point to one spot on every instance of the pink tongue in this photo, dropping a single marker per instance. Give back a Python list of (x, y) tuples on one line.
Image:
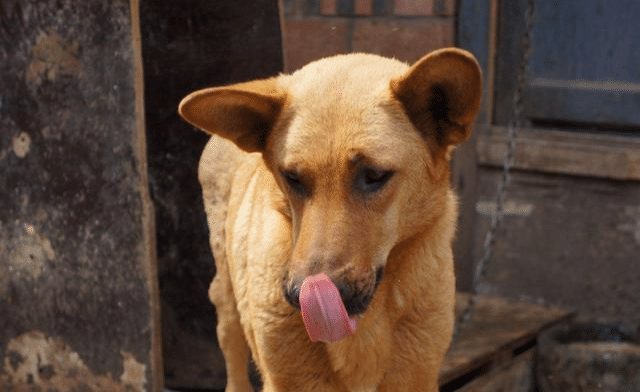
[(323, 312)]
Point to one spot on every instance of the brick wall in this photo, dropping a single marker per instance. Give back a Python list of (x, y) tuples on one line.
[(405, 29)]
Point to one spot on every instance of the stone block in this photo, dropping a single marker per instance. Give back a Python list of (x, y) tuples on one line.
[(78, 287)]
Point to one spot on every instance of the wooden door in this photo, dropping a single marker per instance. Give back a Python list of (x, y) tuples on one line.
[(584, 67)]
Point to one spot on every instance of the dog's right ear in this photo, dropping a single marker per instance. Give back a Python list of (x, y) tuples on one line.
[(243, 113), (441, 95)]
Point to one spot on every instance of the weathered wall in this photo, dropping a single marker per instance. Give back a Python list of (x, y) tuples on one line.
[(404, 29), (570, 241), (78, 292), (188, 45)]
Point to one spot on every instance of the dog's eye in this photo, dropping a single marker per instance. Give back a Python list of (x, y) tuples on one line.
[(371, 180), (293, 181)]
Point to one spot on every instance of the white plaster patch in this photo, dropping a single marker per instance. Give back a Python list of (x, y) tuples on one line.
[(53, 57), (510, 208), (31, 353), (134, 372), (31, 252), (34, 359), (21, 144)]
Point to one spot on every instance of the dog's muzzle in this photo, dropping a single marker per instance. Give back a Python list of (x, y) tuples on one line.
[(355, 296)]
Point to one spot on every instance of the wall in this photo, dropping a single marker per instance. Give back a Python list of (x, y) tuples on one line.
[(78, 287), (565, 240), (405, 29)]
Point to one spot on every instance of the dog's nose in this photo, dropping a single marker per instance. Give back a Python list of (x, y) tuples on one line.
[(355, 297), (356, 300), (292, 293)]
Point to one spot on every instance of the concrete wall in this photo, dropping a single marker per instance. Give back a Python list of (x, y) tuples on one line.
[(78, 288)]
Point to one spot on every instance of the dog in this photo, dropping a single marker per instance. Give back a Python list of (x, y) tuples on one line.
[(328, 188)]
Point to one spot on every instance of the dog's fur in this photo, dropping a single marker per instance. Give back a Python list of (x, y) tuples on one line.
[(341, 167)]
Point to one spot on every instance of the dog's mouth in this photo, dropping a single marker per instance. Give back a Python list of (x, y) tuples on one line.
[(356, 295)]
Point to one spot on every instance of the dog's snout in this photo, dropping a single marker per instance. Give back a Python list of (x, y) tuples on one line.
[(292, 293), (356, 295), (355, 301)]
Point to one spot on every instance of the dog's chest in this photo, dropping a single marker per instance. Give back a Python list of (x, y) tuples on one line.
[(365, 390)]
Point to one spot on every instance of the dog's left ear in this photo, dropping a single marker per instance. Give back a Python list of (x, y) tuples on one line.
[(441, 94), (244, 113)]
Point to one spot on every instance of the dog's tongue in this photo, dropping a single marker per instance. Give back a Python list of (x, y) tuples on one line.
[(323, 312)]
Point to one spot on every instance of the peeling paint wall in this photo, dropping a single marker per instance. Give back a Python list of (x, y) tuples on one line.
[(34, 359), (77, 289)]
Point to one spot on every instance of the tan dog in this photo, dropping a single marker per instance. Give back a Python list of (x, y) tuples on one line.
[(341, 167)]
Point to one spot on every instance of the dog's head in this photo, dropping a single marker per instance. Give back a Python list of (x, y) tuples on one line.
[(359, 146)]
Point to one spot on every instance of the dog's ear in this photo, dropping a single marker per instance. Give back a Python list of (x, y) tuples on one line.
[(243, 113), (441, 94)]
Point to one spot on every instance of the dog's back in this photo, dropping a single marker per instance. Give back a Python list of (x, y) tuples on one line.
[(220, 163)]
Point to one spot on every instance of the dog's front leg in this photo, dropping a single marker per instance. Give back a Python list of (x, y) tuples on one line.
[(230, 333)]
